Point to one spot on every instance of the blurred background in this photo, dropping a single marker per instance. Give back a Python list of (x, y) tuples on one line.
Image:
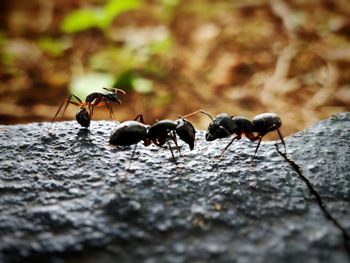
[(176, 56)]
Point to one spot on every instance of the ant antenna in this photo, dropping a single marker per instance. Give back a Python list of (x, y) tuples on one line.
[(115, 90), (195, 112), (139, 117)]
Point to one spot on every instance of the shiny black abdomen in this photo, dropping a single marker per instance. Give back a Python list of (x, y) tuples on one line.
[(186, 132), (83, 117), (266, 122), (128, 133)]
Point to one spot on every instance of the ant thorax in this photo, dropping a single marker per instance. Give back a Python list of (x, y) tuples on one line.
[(161, 129)]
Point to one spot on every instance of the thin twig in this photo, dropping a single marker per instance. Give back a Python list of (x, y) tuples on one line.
[(346, 236)]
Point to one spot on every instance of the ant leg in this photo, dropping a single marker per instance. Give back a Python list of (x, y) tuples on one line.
[(173, 136), (172, 153), (281, 137), (123, 177), (257, 147), (110, 110), (65, 103), (80, 104), (195, 112), (91, 110), (132, 156), (68, 101), (77, 98), (271, 128), (54, 118), (251, 137), (140, 117), (228, 145)]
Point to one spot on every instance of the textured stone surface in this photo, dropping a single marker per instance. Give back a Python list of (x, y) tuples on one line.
[(62, 198)]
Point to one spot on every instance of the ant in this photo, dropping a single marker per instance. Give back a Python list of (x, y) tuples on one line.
[(131, 132), (224, 125), (95, 99)]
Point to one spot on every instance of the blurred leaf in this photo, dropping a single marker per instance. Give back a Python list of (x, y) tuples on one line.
[(131, 81), (79, 20), (3, 38), (118, 60), (124, 81), (170, 2), (115, 7), (101, 17), (161, 46), (142, 85), (83, 85), (7, 58), (54, 47), (162, 100)]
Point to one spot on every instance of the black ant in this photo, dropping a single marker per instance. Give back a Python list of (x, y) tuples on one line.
[(131, 132), (225, 125), (95, 99)]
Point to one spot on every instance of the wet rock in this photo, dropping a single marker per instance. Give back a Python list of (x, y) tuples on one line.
[(67, 196)]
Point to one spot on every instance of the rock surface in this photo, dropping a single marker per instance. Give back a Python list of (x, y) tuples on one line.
[(63, 198)]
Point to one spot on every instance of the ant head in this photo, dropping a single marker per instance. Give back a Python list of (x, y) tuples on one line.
[(186, 132), (113, 96), (216, 132), (221, 127), (83, 117)]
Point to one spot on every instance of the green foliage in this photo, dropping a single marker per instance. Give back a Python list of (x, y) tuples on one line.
[(54, 47), (7, 58), (142, 85), (125, 61), (83, 85), (170, 2), (100, 17), (160, 46), (142, 56), (120, 61), (132, 81), (3, 38)]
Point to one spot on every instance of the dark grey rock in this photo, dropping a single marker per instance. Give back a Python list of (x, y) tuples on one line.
[(67, 196)]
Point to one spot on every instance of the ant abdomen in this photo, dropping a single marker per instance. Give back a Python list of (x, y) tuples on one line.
[(83, 117), (186, 132), (128, 133), (266, 122)]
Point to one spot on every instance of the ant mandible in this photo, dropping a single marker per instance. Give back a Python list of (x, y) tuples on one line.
[(131, 132), (224, 125), (95, 99)]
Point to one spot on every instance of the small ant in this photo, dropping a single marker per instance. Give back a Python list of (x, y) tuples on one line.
[(95, 99), (131, 132), (225, 125)]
